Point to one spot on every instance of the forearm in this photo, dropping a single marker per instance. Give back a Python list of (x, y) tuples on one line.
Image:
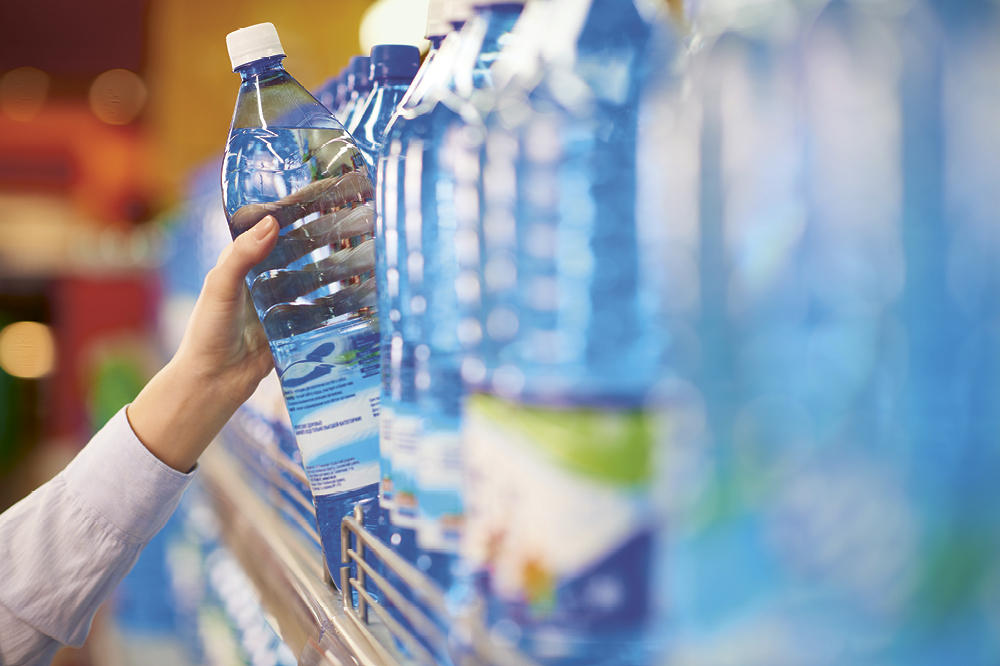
[(222, 358), (179, 413)]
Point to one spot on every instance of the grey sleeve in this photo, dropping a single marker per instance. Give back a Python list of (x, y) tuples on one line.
[(65, 547)]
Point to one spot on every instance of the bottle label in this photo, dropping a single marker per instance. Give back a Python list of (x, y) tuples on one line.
[(439, 490), (386, 435), (542, 477), (406, 439), (330, 381)]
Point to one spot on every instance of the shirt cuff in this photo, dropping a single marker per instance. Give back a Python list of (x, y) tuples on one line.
[(118, 481)]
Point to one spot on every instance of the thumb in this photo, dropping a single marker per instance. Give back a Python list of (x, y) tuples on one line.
[(250, 248)]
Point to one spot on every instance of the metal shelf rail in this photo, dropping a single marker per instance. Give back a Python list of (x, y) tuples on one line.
[(321, 625), (283, 479), (427, 638), (287, 573)]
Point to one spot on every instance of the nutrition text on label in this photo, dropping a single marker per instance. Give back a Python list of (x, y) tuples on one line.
[(318, 396), (318, 426)]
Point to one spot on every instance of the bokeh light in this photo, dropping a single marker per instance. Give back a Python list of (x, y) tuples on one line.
[(117, 96), (27, 350), (394, 22), (23, 92)]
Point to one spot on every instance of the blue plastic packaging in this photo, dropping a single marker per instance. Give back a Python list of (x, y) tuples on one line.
[(287, 156), (393, 69), (391, 386), (445, 115)]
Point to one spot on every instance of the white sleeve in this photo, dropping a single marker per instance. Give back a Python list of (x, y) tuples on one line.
[(65, 547)]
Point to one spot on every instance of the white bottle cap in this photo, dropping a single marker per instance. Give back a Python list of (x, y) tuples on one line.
[(253, 43), (457, 11), (437, 24)]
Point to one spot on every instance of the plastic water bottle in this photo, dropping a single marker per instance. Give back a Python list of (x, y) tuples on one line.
[(343, 94), (486, 237), (443, 116), (948, 93), (561, 446), (845, 472), (410, 159), (393, 69), (287, 156), (329, 93), (359, 82), (400, 261), (948, 308), (437, 29)]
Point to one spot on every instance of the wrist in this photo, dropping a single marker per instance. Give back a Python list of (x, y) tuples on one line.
[(205, 385), (179, 412)]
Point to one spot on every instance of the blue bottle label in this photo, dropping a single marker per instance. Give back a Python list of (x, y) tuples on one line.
[(406, 439), (386, 427), (330, 380), (439, 483), (541, 477)]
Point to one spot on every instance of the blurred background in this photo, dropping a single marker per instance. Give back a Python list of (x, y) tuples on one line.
[(829, 170), (107, 108)]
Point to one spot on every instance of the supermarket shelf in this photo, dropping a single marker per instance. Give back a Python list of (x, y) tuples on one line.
[(311, 616), (424, 609), (288, 575)]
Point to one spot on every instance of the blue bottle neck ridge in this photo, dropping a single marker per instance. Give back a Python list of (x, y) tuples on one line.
[(255, 68)]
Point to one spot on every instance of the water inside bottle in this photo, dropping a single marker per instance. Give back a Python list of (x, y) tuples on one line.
[(315, 295), (313, 181)]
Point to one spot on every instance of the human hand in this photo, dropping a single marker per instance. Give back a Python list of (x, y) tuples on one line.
[(222, 358), (224, 344)]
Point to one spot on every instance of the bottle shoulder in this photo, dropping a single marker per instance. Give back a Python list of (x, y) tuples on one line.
[(602, 53), (382, 104), (271, 97)]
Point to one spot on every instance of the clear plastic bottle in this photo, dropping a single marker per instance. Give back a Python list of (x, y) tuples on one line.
[(398, 201), (331, 92), (343, 93), (443, 116), (839, 485), (952, 305), (560, 443), (393, 69), (437, 29), (359, 87), (287, 156)]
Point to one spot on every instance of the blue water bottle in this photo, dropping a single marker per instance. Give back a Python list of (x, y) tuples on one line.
[(288, 157), (445, 114), (560, 440), (393, 69), (399, 261), (359, 82), (844, 481), (437, 28), (950, 308), (331, 92)]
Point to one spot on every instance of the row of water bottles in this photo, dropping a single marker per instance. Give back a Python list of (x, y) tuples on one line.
[(661, 333)]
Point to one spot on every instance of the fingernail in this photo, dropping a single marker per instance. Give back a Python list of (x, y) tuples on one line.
[(263, 228)]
